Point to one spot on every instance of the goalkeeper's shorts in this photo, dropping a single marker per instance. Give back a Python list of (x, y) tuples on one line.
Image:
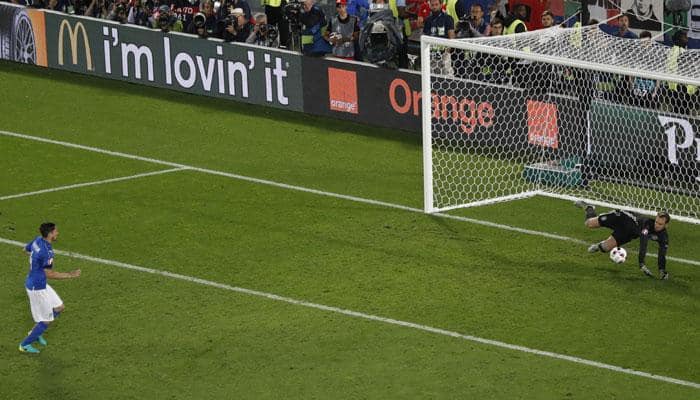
[(622, 223)]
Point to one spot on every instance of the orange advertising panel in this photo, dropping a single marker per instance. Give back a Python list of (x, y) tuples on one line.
[(342, 90), (542, 128), (39, 28)]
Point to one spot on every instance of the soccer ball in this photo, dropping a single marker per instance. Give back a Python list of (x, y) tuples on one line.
[(618, 255)]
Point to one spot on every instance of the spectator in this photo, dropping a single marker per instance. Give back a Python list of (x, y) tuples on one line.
[(679, 97), (184, 10), (477, 22), (457, 9), (78, 7), (238, 28), (58, 5), (643, 90), (97, 9), (263, 34), (515, 21), (530, 12), (496, 27), (439, 24), (138, 14), (398, 8), (166, 21), (547, 19), (359, 9), (641, 16), (622, 28), (118, 13), (313, 22), (343, 31), (489, 67)]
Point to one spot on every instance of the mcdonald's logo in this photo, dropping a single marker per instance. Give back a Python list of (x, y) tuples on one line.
[(73, 37)]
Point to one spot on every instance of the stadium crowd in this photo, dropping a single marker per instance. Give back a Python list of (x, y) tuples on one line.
[(384, 32)]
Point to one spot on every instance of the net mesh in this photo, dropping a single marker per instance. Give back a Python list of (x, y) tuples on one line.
[(595, 121)]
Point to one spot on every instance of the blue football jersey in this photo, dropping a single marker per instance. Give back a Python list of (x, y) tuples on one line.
[(41, 258)]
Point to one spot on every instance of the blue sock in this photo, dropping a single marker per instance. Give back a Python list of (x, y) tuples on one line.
[(38, 329), (56, 314)]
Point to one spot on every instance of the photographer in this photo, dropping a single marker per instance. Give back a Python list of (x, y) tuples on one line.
[(275, 12), (313, 22), (343, 31), (138, 14), (227, 6), (236, 27), (204, 23), (166, 21), (263, 34)]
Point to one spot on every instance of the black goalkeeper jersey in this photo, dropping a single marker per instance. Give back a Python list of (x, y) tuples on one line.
[(647, 233)]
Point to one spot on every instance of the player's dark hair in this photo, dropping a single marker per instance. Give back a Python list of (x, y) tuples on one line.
[(664, 215), (46, 228)]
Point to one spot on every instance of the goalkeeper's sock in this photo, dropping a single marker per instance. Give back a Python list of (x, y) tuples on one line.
[(38, 329), (590, 212)]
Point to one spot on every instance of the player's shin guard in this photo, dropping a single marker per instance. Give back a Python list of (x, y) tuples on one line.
[(38, 329)]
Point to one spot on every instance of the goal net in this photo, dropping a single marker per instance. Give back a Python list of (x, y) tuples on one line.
[(572, 113)]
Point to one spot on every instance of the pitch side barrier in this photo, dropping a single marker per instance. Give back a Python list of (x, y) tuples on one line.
[(145, 56), (336, 88)]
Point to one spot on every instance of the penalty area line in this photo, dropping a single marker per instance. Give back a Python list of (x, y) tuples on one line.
[(94, 183), (314, 191), (371, 317)]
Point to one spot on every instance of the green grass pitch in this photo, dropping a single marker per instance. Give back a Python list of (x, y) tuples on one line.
[(132, 335)]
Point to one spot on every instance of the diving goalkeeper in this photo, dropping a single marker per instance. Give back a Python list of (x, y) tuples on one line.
[(627, 226)]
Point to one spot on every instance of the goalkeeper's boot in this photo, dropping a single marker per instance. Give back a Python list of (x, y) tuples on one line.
[(28, 349), (663, 275), (593, 248), (583, 204), (646, 271)]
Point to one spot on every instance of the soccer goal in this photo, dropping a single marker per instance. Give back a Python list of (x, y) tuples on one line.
[(571, 113)]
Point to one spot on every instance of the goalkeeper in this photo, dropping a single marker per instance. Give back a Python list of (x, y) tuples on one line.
[(627, 226)]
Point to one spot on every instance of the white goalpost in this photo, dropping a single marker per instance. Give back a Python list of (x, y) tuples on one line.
[(570, 113)]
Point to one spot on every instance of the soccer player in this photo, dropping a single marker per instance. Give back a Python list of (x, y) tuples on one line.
[(43, 300), (627, 226)]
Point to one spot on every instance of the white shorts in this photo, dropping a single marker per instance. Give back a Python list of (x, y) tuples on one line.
[(42, 302)]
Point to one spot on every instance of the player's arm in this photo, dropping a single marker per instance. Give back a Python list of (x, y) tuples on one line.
[(51, 274), (643, 243), (663, 249)]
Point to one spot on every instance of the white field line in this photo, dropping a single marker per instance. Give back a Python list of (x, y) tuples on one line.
[(79, 185), (370, 317), (314, 191)]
